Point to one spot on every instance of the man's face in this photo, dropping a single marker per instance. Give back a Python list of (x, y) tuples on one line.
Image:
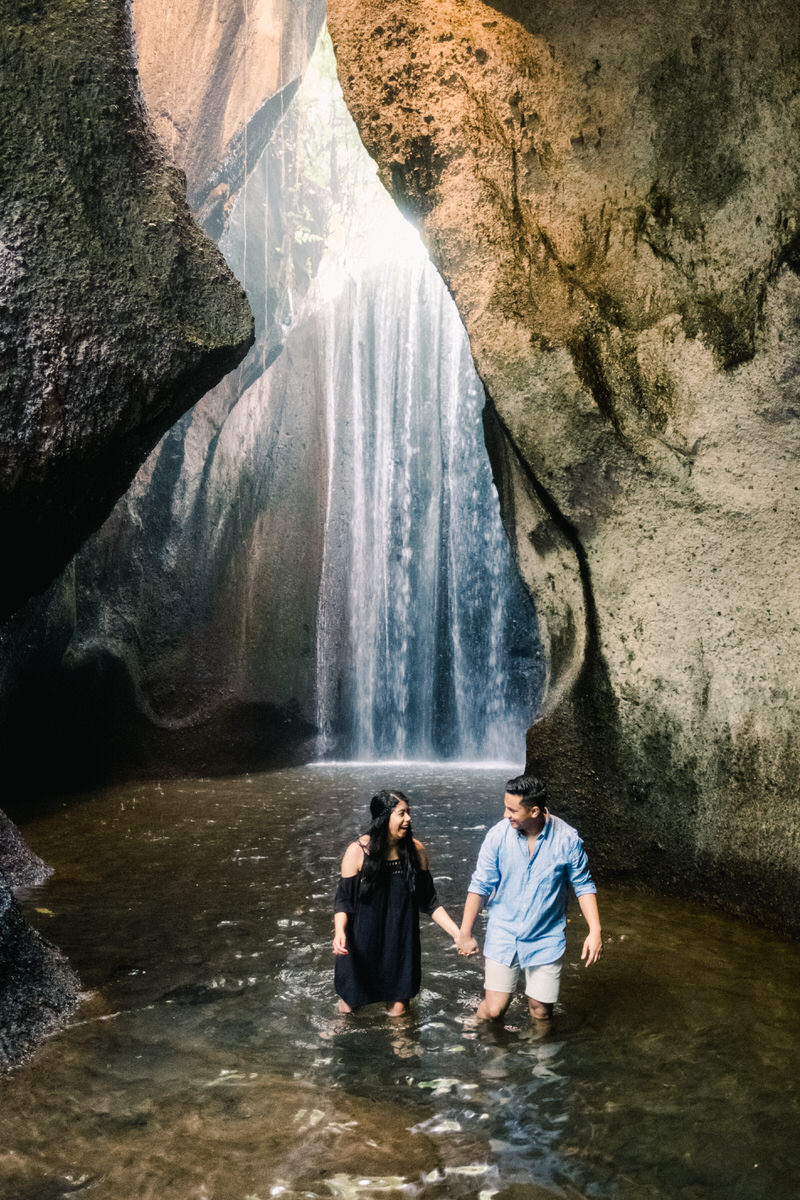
[(519, 817)]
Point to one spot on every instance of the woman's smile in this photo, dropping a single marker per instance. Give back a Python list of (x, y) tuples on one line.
[(399, 821)]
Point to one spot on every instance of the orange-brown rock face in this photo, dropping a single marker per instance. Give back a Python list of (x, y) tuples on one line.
[(208, 70), (614, 201)]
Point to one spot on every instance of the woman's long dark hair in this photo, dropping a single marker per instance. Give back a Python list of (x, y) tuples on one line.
[(381, 807)]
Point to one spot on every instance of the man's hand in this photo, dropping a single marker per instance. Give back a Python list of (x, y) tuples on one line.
[(592, 947), (339, 943), (467, 945)]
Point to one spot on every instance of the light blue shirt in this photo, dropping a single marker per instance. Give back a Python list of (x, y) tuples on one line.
[(529, 893)]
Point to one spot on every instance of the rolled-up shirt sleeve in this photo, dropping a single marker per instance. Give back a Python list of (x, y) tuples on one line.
[(578, 870), (486, 875)]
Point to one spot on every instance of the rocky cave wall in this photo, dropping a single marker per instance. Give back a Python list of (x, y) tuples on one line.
[(133, 659), (116, 315), (612, 199), (218, 79), (231, 606)]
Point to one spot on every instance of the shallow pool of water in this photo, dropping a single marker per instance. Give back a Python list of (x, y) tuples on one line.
[(207, 1061)]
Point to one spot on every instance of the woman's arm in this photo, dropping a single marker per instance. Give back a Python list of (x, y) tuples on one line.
[(351, 865), (439, 914), (353, 860), (339, 935), (467, 944), (445, 922)]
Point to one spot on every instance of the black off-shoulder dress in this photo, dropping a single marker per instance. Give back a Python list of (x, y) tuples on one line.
[(383, 958)]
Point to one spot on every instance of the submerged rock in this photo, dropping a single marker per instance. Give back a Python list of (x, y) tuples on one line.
[(614, 205), (19, 866), (39, 989)]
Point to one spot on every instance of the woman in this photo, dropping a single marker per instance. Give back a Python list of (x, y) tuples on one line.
[(385, 884)]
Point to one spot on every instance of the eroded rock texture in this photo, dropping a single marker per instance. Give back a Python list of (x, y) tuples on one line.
[(218, 79), (116, 313), (613, 200), (182, 636), (38, 988)]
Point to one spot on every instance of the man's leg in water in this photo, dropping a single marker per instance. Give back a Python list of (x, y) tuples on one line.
[(538, 1010), (493, 1005), (541, 987), (499, 983)]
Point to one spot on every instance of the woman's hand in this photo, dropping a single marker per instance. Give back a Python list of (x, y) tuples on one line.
[(466, 946), (339, 943)]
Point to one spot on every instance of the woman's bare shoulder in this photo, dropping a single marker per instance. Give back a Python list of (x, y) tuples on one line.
[(354, 857), (422, 854)]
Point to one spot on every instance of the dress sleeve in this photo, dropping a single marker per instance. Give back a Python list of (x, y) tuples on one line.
[(346, 894), (427, 900)]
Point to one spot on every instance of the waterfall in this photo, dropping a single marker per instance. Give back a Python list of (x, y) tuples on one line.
[(426, 642)]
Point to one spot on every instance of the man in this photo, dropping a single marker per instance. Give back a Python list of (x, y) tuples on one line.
[(526, 864)]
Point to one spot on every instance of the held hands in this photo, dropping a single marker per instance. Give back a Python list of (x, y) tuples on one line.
[(592, 947), (466, 945), (339, 943)]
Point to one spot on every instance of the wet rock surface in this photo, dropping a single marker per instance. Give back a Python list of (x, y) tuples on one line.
[(181, 637), (217, 80), (39, 989), (116, 313), (614, 206), (19, 866)]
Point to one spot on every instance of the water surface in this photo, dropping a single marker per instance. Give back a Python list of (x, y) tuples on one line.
[(208, 1062)]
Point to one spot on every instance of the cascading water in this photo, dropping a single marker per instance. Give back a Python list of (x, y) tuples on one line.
[(319, 541), (426, 642)]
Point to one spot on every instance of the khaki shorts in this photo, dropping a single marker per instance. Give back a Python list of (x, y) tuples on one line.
[(541, 982)]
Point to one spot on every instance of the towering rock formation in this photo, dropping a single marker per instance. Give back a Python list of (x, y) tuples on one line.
[(232, 602), (614, 204), (116, 313)]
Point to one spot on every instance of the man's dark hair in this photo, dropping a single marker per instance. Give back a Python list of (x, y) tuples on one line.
[(531, 791)]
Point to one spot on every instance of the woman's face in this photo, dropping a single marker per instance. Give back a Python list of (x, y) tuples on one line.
[(399, 820)]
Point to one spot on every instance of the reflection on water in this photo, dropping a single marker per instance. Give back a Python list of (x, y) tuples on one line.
[(207, 1060)]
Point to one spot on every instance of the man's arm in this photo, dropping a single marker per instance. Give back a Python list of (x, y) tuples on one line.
[(593, 945), (465, 942), (485, 879)]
